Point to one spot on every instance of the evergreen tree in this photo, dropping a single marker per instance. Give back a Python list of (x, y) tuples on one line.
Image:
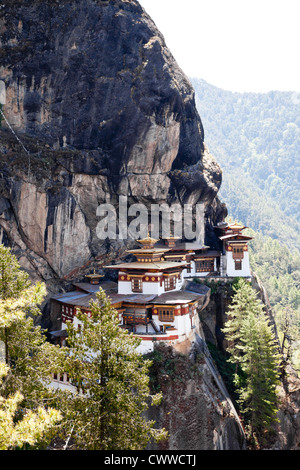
[(30, 429), (17, 295), (252, 346), (112, 384), (243, 301), (29, 358), (260, 363)]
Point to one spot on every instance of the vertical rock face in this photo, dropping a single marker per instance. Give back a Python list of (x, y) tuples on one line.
[(103, 110), (195, 410), (76, 72)]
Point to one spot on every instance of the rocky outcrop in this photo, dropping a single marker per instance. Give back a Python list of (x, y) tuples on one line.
[(102, 110), (196, 409), (288, 427)]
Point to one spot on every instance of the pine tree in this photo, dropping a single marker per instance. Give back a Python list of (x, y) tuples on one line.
[(25, 431), (242, 303), (260, 363), (18, 297), (253, 347), (28, 358), (112, 384)]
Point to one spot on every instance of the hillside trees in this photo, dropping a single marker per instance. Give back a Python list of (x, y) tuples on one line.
[(256, 139), (279, 269), (252, 347), (24, 417)]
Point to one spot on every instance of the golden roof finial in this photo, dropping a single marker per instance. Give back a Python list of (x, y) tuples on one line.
[(94, 277), (147, 242)]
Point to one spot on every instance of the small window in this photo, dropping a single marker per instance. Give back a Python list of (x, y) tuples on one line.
[(170, 283), (204, 266), (238, 265), (137, 285), (166, 315)]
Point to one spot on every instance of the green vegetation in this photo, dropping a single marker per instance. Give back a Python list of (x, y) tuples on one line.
[(226, 287), (27, 430), (170, 365), (253, 350), (279, 270), (256, 140), (25, 419)]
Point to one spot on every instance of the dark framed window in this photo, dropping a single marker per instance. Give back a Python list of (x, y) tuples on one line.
[(238, 252), (170, 283), (238, 264), (204, 266), (136, 285), (165, 314)]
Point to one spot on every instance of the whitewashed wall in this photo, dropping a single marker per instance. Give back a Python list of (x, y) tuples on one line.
[(230, 269)]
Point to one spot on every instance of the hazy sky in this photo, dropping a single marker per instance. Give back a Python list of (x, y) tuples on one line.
[(237, 45)]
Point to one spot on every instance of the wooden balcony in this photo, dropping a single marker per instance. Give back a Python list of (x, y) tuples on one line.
[(131, 320)]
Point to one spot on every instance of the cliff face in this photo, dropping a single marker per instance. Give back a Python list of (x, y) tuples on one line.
[(102, 110), (196, 409)]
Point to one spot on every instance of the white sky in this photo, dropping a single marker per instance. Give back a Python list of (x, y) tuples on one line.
[(237, 45)]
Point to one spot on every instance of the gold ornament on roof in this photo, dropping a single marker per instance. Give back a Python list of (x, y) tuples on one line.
[(147, 242), (94, 277)]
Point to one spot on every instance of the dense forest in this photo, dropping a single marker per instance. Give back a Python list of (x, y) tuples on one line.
[(256, 139)]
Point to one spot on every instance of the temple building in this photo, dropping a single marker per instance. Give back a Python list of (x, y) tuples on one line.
[(234, 260), (152, 297), (156, 295)]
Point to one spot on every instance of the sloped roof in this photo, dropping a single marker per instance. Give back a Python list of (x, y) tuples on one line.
[(196, 287), (161, 265), (236, 236), (177, 297), (89, 288), (70, 297)]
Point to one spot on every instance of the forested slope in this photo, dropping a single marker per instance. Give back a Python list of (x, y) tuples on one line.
[(256, 139)]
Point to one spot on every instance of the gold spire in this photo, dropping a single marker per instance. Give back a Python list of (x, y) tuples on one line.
[(94, 277), (147, 242)]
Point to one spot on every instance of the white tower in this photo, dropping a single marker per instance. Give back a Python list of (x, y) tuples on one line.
[(235, 257)]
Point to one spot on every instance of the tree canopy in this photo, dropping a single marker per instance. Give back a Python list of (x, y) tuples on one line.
[(24, 417), (253, 348)]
